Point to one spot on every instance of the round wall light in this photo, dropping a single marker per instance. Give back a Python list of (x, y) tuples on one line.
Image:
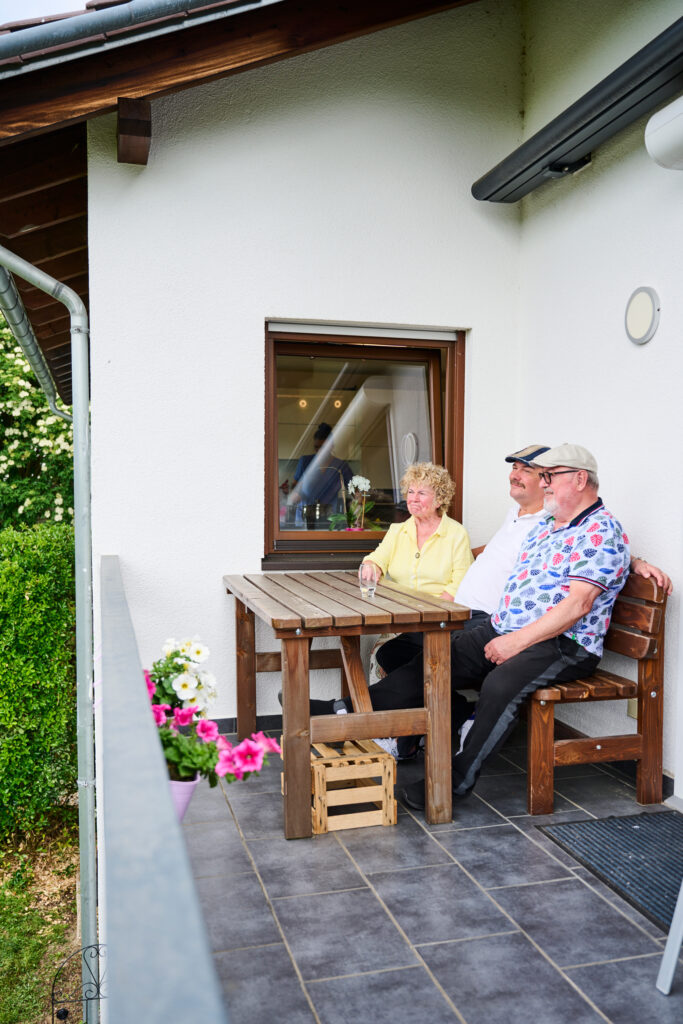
[(642, 315)]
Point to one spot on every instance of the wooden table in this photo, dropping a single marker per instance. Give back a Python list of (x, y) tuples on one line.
[(300, 606)]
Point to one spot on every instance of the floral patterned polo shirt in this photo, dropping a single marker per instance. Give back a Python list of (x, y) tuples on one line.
[(592, 547)]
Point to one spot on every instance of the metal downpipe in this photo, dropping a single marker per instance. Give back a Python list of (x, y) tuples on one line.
[(17, 318)]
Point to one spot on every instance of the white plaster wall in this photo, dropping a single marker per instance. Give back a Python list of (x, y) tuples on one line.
[(587, 243), (335, 186)]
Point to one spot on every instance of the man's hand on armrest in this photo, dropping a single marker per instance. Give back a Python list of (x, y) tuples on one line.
[(642, 568)]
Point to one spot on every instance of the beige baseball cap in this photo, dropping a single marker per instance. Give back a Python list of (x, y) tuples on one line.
[(573, 456)]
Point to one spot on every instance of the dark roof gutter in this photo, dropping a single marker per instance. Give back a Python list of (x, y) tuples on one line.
[(564, 146), (55, 41)]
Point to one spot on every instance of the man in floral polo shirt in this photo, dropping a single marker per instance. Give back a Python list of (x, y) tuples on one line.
[(553, 614)]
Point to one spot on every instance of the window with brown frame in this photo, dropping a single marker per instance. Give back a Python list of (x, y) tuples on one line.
[(347, 405)]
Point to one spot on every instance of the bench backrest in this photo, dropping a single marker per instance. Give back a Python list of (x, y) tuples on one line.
[(637, 624)]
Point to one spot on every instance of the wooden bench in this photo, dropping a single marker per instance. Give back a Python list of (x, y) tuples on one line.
[(636, 631)]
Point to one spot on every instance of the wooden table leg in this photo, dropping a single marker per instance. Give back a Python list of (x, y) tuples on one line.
[(296, 738), (354, 674), (245, 642), (437, 698)]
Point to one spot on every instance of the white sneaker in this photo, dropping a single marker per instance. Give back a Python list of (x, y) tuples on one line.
[(389, 745)]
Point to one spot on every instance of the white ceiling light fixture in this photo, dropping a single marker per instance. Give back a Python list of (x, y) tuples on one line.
[(642, 315)]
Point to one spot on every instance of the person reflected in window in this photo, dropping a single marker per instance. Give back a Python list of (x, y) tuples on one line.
[(319, 478)]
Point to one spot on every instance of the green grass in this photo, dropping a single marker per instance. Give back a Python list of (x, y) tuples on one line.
[(37, 917)]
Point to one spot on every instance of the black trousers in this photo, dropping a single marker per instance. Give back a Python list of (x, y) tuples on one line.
[(503, 688)]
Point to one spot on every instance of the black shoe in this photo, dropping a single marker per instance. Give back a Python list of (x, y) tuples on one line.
[(316, 707), (414, 795)]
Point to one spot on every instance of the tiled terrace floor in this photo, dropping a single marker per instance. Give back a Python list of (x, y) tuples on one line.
[(482, 921)]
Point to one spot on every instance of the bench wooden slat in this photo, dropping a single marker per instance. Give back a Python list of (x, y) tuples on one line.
[(600, 688), (600, 748), (632, 645), (573, 691), (624, 687), (644, 617)]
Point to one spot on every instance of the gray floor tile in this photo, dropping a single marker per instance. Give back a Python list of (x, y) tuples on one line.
[(587, 876), (215, 848), (502, 979), (437, 903), (527, 824), (469, 813), (507, 794), (388, 997), (572, 924), (602, 795), (258, 814), (388, 848), (626, 993), (236, 912), (291, 868), (498, 764), (501, 856), (207, 805), (262, 984), (341, 933)]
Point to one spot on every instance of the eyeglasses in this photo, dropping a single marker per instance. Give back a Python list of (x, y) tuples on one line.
[(547, 477)]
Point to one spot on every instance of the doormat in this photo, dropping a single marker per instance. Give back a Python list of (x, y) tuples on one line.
[(639, 856)]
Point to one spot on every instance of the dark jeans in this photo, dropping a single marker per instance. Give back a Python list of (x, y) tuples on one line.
[(503, 688)]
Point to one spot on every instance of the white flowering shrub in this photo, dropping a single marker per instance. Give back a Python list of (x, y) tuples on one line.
[(36, 450)]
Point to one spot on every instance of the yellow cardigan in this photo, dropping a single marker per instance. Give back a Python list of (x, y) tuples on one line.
[(440, 565)]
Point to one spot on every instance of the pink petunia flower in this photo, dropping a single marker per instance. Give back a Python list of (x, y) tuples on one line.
[(269, 745), (151, 687), (248, 756), (207, 731), (183, 716), (223, 744), (159, 711), (226, 765)]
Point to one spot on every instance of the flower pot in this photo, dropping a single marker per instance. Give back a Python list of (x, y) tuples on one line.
[(181, 794)]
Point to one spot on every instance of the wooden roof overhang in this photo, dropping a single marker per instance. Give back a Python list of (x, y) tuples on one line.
[(44, 108)]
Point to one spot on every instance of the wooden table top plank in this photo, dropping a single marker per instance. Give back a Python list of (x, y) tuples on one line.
[(312, 615), (401, 612), (372, 615), (278, 615), (443, 608), (429, 608), (342, 614)]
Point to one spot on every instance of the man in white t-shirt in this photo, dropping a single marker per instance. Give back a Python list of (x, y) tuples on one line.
[(485, 579)]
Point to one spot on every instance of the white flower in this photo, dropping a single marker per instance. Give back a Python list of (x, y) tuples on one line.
[(170, 645), (185, 685), (359, 483), (198, 652)]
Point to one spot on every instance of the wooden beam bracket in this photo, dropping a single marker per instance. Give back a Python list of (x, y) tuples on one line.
[(133, 130)]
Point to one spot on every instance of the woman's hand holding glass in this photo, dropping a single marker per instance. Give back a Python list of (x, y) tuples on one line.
[(368, 577)]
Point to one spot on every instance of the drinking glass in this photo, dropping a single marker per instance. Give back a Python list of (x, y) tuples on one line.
[(367, 582)]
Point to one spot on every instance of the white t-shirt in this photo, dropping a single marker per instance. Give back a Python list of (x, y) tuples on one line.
[(485, 579)]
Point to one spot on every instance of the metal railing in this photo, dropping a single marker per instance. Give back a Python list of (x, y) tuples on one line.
[(159, 963)]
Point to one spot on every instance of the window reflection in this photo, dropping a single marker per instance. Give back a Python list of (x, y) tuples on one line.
[(338, 418)]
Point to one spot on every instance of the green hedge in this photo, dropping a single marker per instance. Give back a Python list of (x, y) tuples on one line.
[(37, 675)]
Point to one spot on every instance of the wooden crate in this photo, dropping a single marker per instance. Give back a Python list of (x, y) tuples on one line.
[(357, 772)]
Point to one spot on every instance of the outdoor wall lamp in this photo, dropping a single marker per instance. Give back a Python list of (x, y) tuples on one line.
[(642, 315)]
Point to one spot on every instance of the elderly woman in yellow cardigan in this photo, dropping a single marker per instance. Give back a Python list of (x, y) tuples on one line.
[(429, 552)]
